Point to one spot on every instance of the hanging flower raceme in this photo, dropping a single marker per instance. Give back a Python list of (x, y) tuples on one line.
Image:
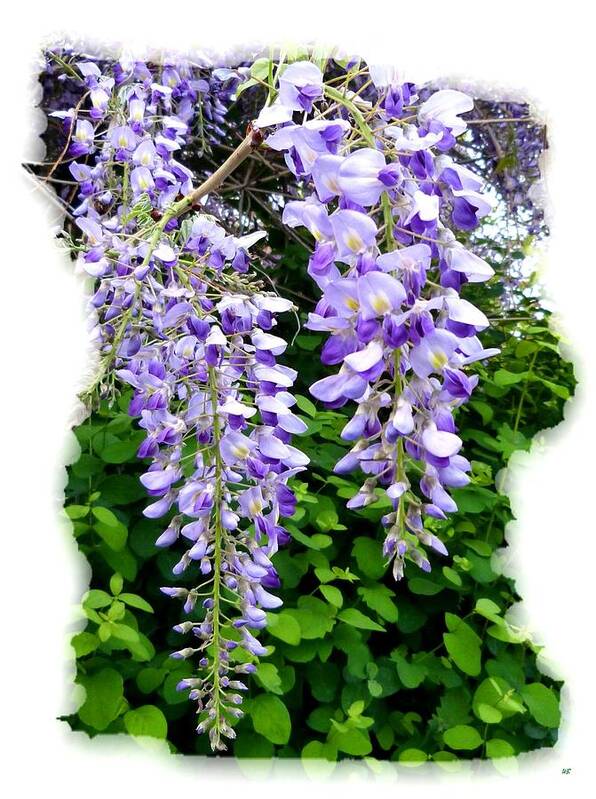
[(384, 201), (181, 322)]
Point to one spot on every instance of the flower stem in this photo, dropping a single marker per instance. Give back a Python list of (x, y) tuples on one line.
[(523, 394), (218, 536)]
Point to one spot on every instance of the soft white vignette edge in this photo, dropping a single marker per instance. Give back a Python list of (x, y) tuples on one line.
[(509, 48)]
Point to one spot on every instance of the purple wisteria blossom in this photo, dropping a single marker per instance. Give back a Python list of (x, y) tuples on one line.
[(181, 322), (384, 200)]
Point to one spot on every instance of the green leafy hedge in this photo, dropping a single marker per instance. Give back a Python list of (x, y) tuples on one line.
[(428, 668)]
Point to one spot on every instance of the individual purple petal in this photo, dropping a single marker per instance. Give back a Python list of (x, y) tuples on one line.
[(439, 442), (325, 176), (445, 106), (358, 176), (433, 353), (366, 358), (379, 294), (300, 83), (354, 233)]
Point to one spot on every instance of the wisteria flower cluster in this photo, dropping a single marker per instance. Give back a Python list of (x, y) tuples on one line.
[(182, 319), (382, 199)]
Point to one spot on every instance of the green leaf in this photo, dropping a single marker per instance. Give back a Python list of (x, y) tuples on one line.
[(323, 679), (314, 616), (105, 631), (105, 516), (116, 583), (496, 692), (136, 602), (103, 700), (76, 511), (324, 753), (97, 599), (355, 618), (270, 718), (121, 561), (84, 643), (285, 627), (463, 645), (87, 466), (484, 409), (542, 704), (525, 348), (304, 652), (305, 405), (474, 498), (378, 598), (121, 489), (413, 756), (504, 632), (114, 535), (120, 451), (451, 575), (324, 575), (418, 585), (480, 548), (317, 541), (260, 68), (142, 538), (253, 746), (168, 689), (326, 520), (120, 424), (496, 748), (462, 737), (149, 679), (317, 750), (368, 554), (267, 676), (116, 611), (332, 594), (489, 609), (351, 741), (454, 707), (125, 633), (503, 377), (410, 674), (142, 650), (242, 87), (560, 391), (320, 718), (488, 714), (146, 720)]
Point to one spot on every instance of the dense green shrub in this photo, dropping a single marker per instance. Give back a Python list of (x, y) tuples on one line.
[(427, 668)]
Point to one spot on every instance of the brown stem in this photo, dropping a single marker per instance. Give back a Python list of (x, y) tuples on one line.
[(251, 141)]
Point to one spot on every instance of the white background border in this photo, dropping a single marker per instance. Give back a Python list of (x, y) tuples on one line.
[(509, 46)]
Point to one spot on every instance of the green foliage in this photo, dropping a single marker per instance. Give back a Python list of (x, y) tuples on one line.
[(270, 718), (146, 720), (462, 737), (425, 669), (104, 698)]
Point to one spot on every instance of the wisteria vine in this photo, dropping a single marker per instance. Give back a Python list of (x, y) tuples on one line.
[(182, 318), (383, 197)]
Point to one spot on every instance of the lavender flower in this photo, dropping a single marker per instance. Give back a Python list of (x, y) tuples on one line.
[(402, 341)]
